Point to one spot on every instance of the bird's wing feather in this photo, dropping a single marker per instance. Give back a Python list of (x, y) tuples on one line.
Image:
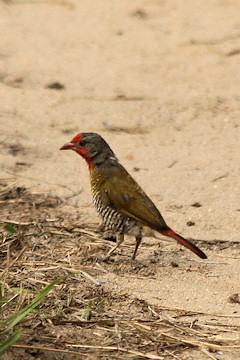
[(122, 192)]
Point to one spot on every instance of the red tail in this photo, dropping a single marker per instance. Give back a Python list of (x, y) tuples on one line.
[(169, 232)]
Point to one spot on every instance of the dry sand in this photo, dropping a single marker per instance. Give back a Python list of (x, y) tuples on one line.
[(159, 80)]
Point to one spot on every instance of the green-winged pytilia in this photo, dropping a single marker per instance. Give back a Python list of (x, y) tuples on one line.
[(122, 204)]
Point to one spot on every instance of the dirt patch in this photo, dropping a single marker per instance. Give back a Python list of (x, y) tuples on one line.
[(88, 314), (159, 81)]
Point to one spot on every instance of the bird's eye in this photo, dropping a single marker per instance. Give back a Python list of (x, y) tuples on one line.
[(82, 142)]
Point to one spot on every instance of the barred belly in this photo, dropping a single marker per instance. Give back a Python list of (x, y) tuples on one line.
[(115, 221)]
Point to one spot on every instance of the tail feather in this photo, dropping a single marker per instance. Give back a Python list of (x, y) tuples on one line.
[(169, 232)]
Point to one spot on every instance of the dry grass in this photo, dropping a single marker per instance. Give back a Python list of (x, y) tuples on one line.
[(79, 318)]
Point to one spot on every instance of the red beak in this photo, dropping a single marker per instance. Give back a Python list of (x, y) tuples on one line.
[(68, 146)]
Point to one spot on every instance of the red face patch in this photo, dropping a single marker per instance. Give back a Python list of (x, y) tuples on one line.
[(76, 138), (84, 153)]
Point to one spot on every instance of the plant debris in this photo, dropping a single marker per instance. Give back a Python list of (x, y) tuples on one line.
[(80, 317)]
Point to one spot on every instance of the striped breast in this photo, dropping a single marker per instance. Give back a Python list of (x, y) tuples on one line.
[(113, 220)]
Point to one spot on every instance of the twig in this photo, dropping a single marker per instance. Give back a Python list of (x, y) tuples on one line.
[(14, 261), (8, 187), (16, 222), (89, 277), (203, 343), (19, 346), (220, 177), (191, 312), (115, 348), (9, 300), (208, 354), (172, 164), (77, 271)]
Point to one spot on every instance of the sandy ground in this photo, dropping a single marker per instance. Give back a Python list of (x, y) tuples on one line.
[(160, 82)]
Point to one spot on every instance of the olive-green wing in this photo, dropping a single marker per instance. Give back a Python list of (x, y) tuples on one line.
[(122, 192)]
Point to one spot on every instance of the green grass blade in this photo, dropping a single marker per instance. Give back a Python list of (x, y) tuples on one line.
[(87, 312), (1, 298), (9, 341), (16, 318), (10, 229)]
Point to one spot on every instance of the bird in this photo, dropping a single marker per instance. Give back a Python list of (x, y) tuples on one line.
[(124, 207)]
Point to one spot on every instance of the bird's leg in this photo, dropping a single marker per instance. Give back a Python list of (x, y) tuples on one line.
[(120, 239), (138, 242)]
